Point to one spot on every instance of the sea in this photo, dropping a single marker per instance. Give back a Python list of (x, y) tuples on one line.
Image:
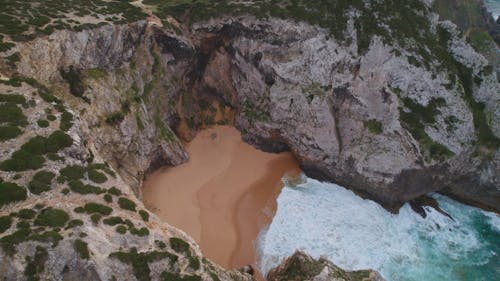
[(325, 219), (494, 7)]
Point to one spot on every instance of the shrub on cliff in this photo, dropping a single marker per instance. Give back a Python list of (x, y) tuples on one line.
[(11, 192)]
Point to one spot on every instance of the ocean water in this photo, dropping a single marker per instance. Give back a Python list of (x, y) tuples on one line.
[(324, 219), (494, 7)]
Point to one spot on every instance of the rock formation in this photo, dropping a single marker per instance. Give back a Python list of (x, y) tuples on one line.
[(301, 267), (392, 112)]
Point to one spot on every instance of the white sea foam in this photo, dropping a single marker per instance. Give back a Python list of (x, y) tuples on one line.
[(493, 7), (324, 219)]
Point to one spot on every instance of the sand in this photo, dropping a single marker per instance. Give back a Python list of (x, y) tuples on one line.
[(223, 196)]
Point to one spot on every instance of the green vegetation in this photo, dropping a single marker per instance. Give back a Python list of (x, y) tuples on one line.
[(78, 187), (113, 221), (194, 262), (121, 229), (115, 118), (9, 242), (9, 132), (48, 237), (12, 115), (97, 177), (11, 192), (95, 73), (480, 40), (142, 232), (5, 223), (26, 214), (374, 126), (179, 245), (95, 218), (108, 198), (74, 172), (13, 98), (43, 123), (144, 215), (170, 276), (23, 20), (114, 191), (29, 157), (91, 208), (52, 218), (415, 120), (82, 249), (140, 261), (126, 204), (41, 182), (36, 265), (66, 121), (74, 223)]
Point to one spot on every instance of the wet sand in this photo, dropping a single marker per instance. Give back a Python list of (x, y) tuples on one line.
[(223, 196)]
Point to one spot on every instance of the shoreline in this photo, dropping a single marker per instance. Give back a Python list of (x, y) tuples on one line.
[(223, 197)]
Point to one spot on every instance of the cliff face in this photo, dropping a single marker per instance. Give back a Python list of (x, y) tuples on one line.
[(386, 120)]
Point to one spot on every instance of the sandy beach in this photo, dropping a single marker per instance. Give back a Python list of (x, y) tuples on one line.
[(223, 196)]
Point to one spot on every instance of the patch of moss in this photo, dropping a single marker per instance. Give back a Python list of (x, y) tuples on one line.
[(179, 245), (10, 193), (113, 221), (142, 232), (91, 208), (374, 126), (126, 204), (95, 218), (41, 182), (66, 121), (140, 261), (74, 172), (171, 276), (74, 223), (48, 237), (52, 218), (12, 115), (144, 215), (414, 121), (9, 242), (26, 214), (79, 187), (82, 249), (9, 132), (114, 191), (13, 98), (36, 265), (97, 177), (121, 229), (5, 223), (108, 198), (43, 123), (194, 263)]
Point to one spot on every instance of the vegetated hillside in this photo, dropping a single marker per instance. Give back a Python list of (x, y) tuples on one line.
[(380, 96)]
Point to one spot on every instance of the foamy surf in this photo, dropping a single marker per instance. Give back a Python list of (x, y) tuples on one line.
[(324, 219)]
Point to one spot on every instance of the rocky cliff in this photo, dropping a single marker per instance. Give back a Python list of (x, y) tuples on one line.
[(390, 109), (301, 267)]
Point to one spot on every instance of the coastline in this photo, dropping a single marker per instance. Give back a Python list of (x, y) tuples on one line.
[(231, 198)]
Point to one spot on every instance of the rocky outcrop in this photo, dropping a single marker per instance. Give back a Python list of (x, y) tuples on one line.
[(304, 268), (389, 122)]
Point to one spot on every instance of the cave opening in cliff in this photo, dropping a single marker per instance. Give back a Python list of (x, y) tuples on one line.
[(223, 196)]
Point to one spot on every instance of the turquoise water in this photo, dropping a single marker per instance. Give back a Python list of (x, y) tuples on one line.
[(494, 7), (325, 219)]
